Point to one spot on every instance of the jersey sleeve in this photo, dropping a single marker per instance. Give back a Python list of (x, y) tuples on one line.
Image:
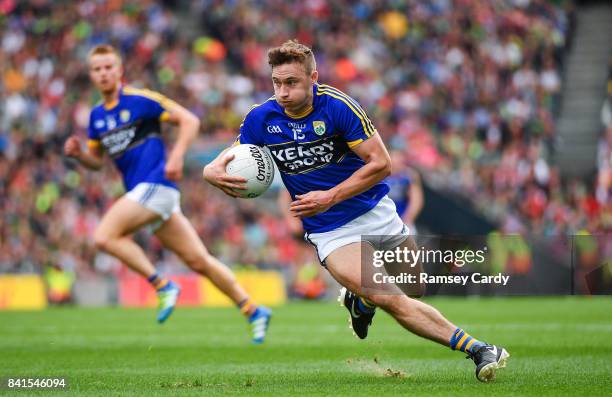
[(352, 122), (249, 131)]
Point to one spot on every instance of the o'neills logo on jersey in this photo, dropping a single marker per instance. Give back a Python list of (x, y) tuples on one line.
[(297, 158)]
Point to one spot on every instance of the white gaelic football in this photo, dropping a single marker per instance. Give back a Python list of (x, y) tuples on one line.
[(255, 165)]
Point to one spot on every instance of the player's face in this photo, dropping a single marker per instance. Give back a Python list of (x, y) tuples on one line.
[(293, 86), (105, 72)]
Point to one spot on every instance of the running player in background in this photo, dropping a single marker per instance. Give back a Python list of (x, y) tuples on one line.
[(127, 127), (333, 162), (405, 190)]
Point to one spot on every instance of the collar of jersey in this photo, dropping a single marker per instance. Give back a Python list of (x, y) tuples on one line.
[(114, 103), (300, 115)]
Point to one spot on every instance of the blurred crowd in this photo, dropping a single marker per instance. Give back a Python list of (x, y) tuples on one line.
[(604, 150), (468, 89)]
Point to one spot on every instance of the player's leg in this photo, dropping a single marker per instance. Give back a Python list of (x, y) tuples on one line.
[(422, 319), (112, 236), (344, 264), (393, 268), (177, 235)]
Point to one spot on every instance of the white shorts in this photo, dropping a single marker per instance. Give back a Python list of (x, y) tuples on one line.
[(382, 225), (158, 198)]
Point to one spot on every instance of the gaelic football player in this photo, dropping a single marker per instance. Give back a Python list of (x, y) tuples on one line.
[(126, 126), (333, 162)]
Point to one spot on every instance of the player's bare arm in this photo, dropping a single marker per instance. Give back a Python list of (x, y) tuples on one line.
[(377, 167), (92, 158), (188, 127), (215, 174)]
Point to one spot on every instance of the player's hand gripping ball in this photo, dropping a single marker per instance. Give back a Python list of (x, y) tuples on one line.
[(254, 164)]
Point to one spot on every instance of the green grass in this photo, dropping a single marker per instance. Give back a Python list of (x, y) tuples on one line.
[(558, 346)]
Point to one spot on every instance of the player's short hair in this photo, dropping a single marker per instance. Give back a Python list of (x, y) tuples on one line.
[(291, 51), (103, 49)]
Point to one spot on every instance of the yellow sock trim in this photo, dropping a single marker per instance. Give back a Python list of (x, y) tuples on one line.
[(470, 343), (161, 284), (247, 306), (462, 341)]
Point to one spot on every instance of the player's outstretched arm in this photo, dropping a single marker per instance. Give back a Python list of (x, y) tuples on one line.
[(92, 158), (188, 127), (215, 174), (377, 167)]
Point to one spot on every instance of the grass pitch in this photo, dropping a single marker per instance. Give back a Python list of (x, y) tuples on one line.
[(558, 346)]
